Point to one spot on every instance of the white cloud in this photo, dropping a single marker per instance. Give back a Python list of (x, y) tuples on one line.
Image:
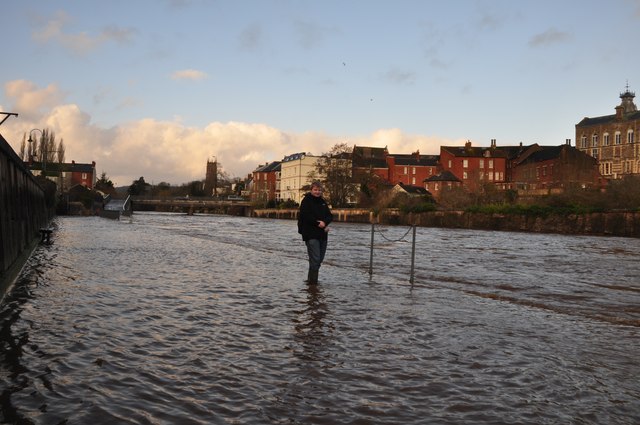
[(171, 152), (189, 74)]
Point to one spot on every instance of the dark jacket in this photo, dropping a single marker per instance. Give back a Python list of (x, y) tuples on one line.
[(313, 209)]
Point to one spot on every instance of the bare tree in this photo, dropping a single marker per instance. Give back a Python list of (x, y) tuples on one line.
[(335, 170)]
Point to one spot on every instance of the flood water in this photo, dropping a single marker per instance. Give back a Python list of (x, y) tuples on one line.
[(205, 319)]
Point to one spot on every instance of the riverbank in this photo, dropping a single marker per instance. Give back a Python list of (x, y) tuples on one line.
[(617, 223)]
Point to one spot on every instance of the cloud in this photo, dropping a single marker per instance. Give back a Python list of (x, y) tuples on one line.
[(189, 74), (310, 34), (400, 77), (172, 152), (250, 38), (81, 43), (550, 36), (27, 98)]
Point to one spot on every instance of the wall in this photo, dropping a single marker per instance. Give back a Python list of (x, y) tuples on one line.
[(23, 212)]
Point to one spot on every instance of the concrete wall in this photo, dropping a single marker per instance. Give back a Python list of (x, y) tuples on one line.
[(23, 212)]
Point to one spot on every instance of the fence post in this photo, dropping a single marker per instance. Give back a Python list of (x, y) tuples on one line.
[(371, 253), (413, 254)]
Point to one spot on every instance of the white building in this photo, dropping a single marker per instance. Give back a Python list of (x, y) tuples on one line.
[(297, 171)]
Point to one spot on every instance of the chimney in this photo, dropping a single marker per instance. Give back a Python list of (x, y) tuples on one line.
[(619, 112), (417, 154), (493, 143), (568, 142)]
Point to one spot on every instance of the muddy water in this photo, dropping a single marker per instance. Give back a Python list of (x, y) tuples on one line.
[(173, 319)]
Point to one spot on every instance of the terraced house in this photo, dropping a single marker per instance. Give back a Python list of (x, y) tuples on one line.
[(612, 139)]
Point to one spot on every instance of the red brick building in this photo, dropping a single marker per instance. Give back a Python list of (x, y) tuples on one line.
[(441, 182), (475, 165), (265, 182), (555, 167), (411, 169)]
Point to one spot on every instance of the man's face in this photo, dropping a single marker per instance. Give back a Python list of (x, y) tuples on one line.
[(316, 191)]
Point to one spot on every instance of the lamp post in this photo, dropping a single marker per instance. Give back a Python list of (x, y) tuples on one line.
[(43, 149)]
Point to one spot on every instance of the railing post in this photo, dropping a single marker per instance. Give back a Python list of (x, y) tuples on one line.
[(371, 252), (413, 254)]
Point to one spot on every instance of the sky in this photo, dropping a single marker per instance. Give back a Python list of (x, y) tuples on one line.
[(155, 88)]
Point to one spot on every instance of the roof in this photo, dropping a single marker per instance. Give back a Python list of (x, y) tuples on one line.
[(412, 190), (416, 159), (445, 176), (66, 167), (545, 153), (474, 152), (294, 157), (607, 119), (369, 157), (269, 167)]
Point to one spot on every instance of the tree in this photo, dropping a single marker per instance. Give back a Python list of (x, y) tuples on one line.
[(138, 187), (61, 151), (335, 167), (104, 184)]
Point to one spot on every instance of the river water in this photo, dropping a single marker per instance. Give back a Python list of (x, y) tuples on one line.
[(205, 319)]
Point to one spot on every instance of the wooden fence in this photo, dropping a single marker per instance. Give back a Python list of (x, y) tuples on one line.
[(23, 213)]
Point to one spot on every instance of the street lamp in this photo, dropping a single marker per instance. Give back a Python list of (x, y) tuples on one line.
[(43, 149)]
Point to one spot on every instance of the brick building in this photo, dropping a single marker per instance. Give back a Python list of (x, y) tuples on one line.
[(612, 139), (547, 168), (266, 182), (411, 169), (475, 165)]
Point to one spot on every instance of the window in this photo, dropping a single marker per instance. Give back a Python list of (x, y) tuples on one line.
[(449, 163), (465, 163), (544, 170), (413, 180), (630, 136), (583, 142), (491, 164), (594, 153), (605, 139), (413, 170), (84, 176), (464, 175), (594, 141), (617, 138), (481, 163)]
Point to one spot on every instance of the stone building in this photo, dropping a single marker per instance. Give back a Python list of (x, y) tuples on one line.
[(611, 139)]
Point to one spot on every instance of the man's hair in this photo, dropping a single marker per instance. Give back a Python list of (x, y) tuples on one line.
[(316, 183)]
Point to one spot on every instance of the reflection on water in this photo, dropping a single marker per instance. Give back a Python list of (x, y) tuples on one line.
[(205, 319)]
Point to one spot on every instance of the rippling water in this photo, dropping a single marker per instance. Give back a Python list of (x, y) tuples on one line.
[(174, 319)]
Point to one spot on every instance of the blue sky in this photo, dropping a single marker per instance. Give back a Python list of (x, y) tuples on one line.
[(155, 88)]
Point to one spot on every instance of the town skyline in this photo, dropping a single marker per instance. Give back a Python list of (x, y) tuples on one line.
[(159, 90)]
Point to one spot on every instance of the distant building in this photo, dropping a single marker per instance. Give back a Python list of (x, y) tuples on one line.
[(612, 139), (441, 182), (369, 162), (474, 166), (66, 175), (211, 178), (296, 174), (411, 169), (265, 184), (411, 190), (545, 169)]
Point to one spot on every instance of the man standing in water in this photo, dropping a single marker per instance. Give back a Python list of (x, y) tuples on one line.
[(313, 224)]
